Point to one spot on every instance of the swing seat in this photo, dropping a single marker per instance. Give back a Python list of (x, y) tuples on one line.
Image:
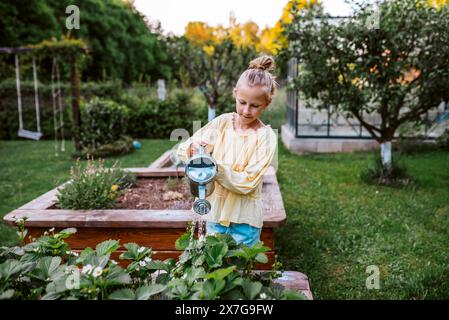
[(29, 134)]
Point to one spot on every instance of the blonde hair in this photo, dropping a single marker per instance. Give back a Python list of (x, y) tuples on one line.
[(258, 74)]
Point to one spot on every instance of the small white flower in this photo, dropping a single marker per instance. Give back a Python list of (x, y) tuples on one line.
[(52, 229), (75, 253), (36, 249), (147, 259), (68, 252), (113, 262), (87, 269), (263, 296), (142, 263), (137, 269), (45, 233), (97, 272), (141, 249)]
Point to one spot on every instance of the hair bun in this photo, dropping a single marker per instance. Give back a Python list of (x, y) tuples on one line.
[(265, 63)]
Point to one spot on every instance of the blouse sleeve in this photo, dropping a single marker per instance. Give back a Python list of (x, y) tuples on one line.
[(208, 134), (247, 180)]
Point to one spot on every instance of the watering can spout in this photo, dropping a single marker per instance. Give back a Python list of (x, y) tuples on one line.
[(201, 170)]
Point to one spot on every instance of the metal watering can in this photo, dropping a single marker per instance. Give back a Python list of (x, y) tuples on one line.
[(201, 170)]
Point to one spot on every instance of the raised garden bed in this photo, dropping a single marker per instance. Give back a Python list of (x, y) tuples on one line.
[(147, 220), (149, 225)]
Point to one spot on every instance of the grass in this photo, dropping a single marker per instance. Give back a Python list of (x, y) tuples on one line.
[(337, 225)]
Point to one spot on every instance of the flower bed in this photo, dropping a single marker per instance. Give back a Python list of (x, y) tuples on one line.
[(155, 228)]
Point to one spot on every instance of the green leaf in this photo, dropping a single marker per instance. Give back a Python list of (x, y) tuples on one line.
[(220, 274), (106, 247), (144, 293), (8, 294), (215, 254), (122, 294), (67, 232), (157, 265), (261, 258), (211, 288), (183, 242), (251, 289), (47, 268)]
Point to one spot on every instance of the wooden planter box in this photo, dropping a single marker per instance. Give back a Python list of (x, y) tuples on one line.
[(157, 229)]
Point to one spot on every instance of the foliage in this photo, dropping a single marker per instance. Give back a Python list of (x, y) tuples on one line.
[(443, 140), (153, 118), (214, 71), (27, 273), (266, 40), (123, 145), (396, 70), (122, 45), (92, 186), (64, 48), (414, 145), (103, 122)]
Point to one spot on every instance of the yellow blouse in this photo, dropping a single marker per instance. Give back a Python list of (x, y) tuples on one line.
[(242, 160)]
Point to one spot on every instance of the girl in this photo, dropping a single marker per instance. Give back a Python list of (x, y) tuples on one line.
[(243, 148)]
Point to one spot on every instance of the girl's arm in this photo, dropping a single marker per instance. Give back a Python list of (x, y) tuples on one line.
[(247, 180), (206, 134)]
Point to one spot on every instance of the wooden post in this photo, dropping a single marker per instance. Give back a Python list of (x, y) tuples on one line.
[(75, 81)]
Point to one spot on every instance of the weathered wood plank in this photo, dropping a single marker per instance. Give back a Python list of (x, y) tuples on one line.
[(296, 281), (119, 218), (157, 172), (162, 161), (274, 210)]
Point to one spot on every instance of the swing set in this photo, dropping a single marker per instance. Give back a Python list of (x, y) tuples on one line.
[(47, 48)]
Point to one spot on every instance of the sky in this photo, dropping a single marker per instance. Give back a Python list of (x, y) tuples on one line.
[(175, 14)]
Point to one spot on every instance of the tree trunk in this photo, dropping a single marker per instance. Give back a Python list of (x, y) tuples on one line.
[(210, 113), (75, 86), (385, 153)]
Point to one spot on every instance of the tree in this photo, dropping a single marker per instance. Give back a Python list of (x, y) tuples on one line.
[(213, 67), (398, 70), (122, 44)]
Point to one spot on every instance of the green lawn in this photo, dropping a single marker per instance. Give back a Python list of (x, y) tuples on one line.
[(337, 225)]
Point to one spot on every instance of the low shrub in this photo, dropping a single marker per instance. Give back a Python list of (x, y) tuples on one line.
[(92, 186), (103, 122)]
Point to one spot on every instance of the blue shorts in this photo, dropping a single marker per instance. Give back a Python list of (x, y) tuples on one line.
[(241, 232)]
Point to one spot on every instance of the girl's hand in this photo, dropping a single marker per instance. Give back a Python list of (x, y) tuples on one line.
[(195, 147)]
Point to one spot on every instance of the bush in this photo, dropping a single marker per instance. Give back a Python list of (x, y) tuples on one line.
[(414, 146), (443, 140), (205, 270), (122, 146), (378, 174), (103, 121), (155, 119), (93, 186)]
